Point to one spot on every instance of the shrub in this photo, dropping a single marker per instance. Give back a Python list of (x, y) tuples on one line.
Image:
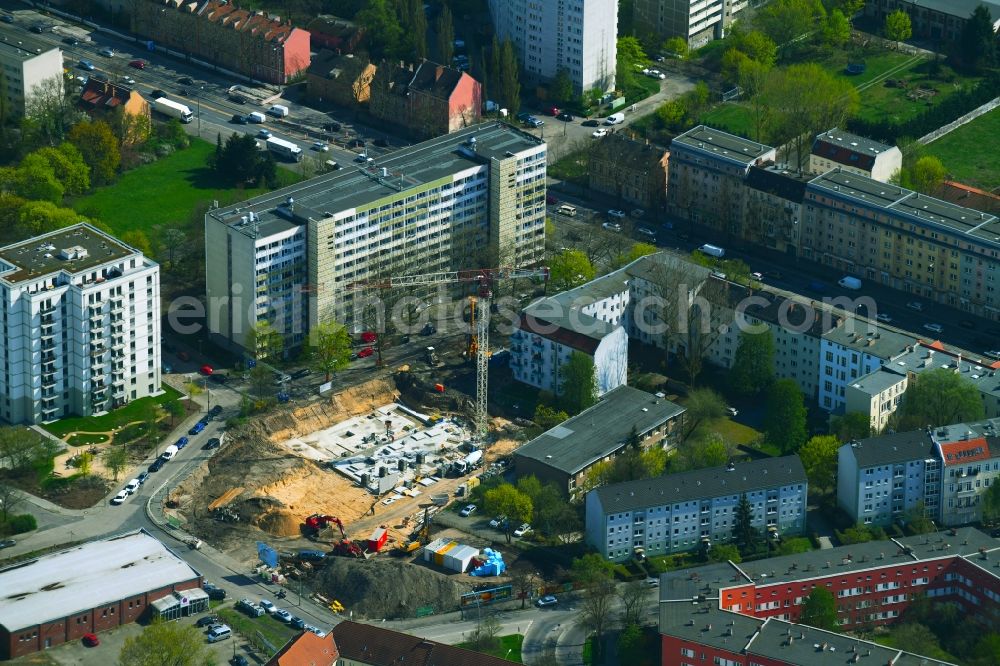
[(21, 523)]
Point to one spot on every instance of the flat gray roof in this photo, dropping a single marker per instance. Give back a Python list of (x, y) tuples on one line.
[(599, 430), (897, 447), (85, 247), (961, 8), (701, 484), (859, 188), (868, 337), (854, 142), (981, 372), (723, 144), (878, 381), (356, 185), (16, 44), (88, 576), (705, 623)]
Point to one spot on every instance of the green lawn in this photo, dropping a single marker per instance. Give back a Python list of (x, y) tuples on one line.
[(969, 153), (572, 168), (274, 632), (133, 411), (83, 440), (165, 191), (509, 648), (733, 432), (732, 117)]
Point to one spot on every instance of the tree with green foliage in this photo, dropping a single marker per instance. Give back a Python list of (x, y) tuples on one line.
[(836, 29), (506, 500), (115, 458), (595, 574), (756, 46), (677, 46), (416, 28), (548, 417), (68, 166), (847, 427), (99, 148), (936, 398), (991, 504), (167, 644), (708, 449), (50, 111), (579, 383), (858, 534), (493, 69), (510, 79), (39, 217), (925, 175), (138, 239), (794, 546), (724, 552), (753, 363), (702, 406), (569, 269), (237, 161), (977, 46), (382, 30), (444, 28), (554, 516), (10, 499), (917, 521), (35, 180), (174, 409), (264, 342), (747, 538), (329, 348), (561, 88), (820, 610), (637, 251), (819, 458), (849, 8), (785, 416), (784, 20), (897, 26), (631, 645)]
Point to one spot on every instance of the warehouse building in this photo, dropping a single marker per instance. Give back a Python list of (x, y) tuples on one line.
[(90, 588)]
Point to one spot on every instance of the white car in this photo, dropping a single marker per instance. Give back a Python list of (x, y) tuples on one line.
[(732, 411), (522, 530), (267, 606), (617, 214), (599, 133), (106, 51), (883, 317), (128, 80), (132, 486), (933, 328), (915, 305), (320, 146), (647, 232), (612, 226), (120, 497), (467, 511), (282, 615)]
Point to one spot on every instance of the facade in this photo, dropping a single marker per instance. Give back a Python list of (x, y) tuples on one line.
[(933, 19), (697, 21), (853, 349), (103, 97), (27, 64), (288, 256), (878, 395), (689, 510), (633, 171), (578, 36), (948, 469), (745, 614), (564, 454), (82, 313), (854, 154), (342, 79), (430, 101), (247, 42), (773, 207), (368, 645), (57, 598)]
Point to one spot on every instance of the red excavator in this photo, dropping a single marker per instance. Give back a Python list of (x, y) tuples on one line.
[(316, 523), (345, 547)]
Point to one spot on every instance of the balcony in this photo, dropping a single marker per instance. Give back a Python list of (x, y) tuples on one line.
[(48, 382)]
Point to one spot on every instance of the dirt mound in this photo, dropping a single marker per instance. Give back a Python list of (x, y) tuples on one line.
[(319, 415), (384, 589)]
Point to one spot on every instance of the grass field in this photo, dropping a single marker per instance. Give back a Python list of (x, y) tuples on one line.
[(165, 192), (969, 153), (273, 631), (733, 117), (509, 648), (133, 411)]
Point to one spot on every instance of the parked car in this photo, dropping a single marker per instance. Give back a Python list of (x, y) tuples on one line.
[(592, 122), (647, 232), (934, 328), (616, 214), (612, 226), (238, 660), (7, 543), (267, 606), (282, 615), (142, 477), (213, 443), (296, 623), (637, 213), (599, 133), (732, 411), (566, 117), (652, 581), (547, 600), (72, 41), (532, 121), (186, 80), (37, 29), (883, 317), (239, 119), (206, 621), (196, 428), (133, 486), (366, 352), (992, 354), (156, 466), (214, 591), (207, 370), (120, 497), (138, 64), (128, 80), (915, 305), (498, 521), (217, 409), (91, 640), (100, 76), (7, 18), (182, 442), (522, 530), (467, 511)]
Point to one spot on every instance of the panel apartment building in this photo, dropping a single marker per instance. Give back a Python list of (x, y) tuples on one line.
[(450, 203), (697, 21), (27, 63), (578, 36), (81, 323), (679, 512), (948, 469)]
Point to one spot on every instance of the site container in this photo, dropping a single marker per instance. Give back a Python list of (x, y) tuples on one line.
[(458, 558), (377, 539)]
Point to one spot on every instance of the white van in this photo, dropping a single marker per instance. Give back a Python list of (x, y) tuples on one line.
[(567, 210), (615, 119), (219, 633), (849, 282), (278, 110), (256, 117), (169, 453), (712, 251)]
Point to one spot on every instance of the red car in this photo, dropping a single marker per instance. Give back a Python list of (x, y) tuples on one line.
[(91, 640), (368, 337), (207, 370), (366, 352), (552, 111), (138, 64)]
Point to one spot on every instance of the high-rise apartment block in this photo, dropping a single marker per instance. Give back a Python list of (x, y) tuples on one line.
[(578, 36), (81, 325), (463, 200), (696, 21), (29, 66)]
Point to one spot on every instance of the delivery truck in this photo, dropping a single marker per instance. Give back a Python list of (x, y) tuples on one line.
[(278, 110), (256, 117), (284, 149), (712, 251), (173, 109), (848, 282)]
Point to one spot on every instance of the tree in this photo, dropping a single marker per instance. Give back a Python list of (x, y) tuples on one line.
[(524, 584), (939, 397), (138, 239), (836, 29), (820, 610), (753, 364), (329, 348), (594, 574), (784, 20), (509, 79), (548, 417), (39, 217), (417, 27), (21, 448), (238, 160), (677, 46), (50, 112), (382, 30), (709, 449), (926, 175), (638, 251), (785, 416), (757, 47), (561, 88), (819, 458), (917, 521), (977, 47), (847, 427), (166, 644), (175, 409), (724, 552), (67, 164), (115, 458), (702, 405), (897, 26), (264, 342), (569, 269), (130, 128), (579, 382), (35, 180), (99, 148), (10, 499), (632, 648), (748, 538), (632, 598), (444, 26), (991, 504), (506, 500)]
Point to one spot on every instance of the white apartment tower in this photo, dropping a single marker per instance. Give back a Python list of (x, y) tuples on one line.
[(81, 325), (579, 36), (697, 21), (27, 64)]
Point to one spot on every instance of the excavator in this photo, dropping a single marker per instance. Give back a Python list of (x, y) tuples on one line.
[(345, 547), (418, 539)]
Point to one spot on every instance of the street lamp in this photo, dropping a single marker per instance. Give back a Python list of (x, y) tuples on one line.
[(201, 89)]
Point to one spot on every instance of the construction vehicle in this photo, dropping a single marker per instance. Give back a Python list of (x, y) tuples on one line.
[(485, 277), (431, 357), (315, 524), (418, 538)]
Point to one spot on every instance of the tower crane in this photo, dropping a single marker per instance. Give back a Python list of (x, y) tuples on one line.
[(485, 277)]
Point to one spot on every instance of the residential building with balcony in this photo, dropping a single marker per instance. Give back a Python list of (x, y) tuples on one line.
[(970, 459), (855, 154), (29, 67), (441, 205), (81, 314), (877, 395), (577, 36), (697, 21), (564, 454), (689, 510), (772, 207), (853, 349), (933, 19)]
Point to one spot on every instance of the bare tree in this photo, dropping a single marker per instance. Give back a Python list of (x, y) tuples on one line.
[(524, 583), (632, 596), (10, 499), (597, 606)]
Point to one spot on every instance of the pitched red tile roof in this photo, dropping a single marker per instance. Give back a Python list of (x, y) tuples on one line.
[(382, 647), (104, 94), (307, 649), (965, 451)]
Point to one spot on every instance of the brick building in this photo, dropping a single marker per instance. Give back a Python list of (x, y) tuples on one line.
[(342, 79), (743, 614), (252, 43), (102, 98), (334, 33), (94, 587), (633, 171), (429, 101)]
